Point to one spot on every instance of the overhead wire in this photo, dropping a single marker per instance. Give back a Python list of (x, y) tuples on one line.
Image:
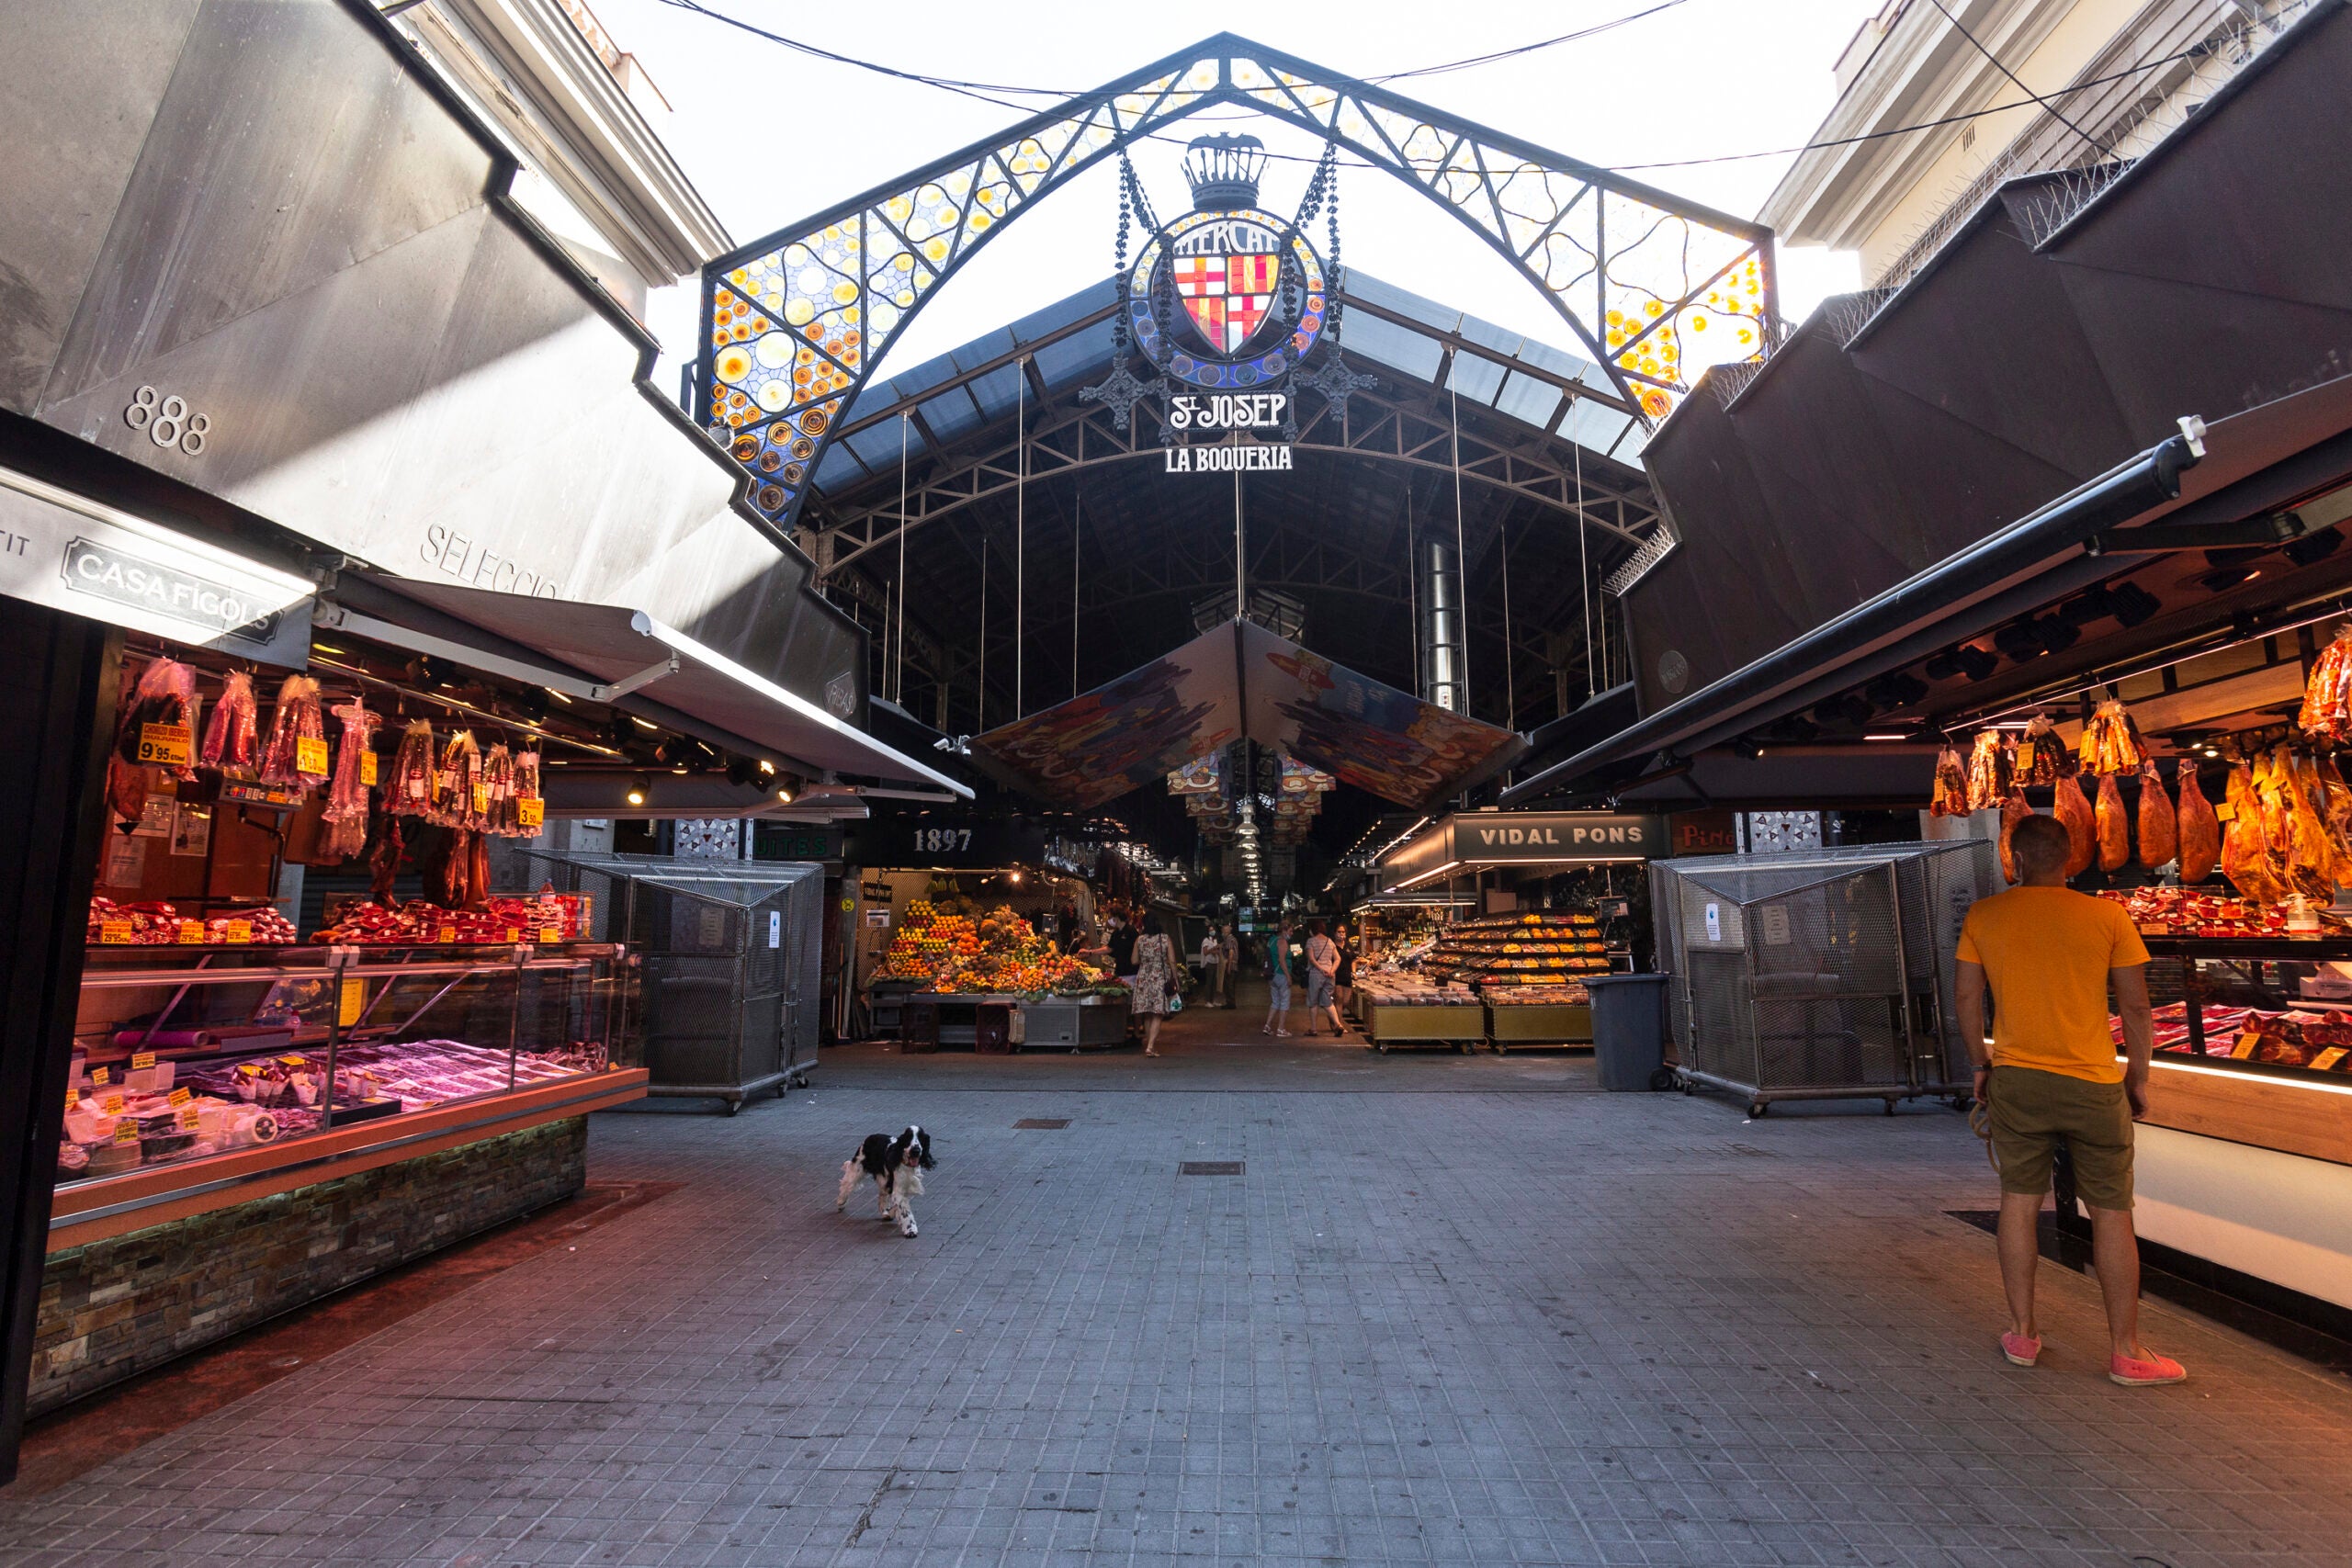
[(986, 92)]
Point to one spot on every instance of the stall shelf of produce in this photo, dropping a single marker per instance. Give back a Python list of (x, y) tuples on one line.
[(1398, 1010), (1540, 1014), (1504, 949)]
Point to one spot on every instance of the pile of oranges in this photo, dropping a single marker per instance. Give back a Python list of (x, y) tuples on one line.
[(1000, 951)]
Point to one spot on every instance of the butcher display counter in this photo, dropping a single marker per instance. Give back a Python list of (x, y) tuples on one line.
[(208, 1075), (2244, 1158)]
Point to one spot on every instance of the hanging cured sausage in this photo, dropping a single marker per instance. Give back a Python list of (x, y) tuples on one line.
[(232, 736), (2111, 742), (297, 752), (1990, 771), (2042, 757), (410, 793), (2075, 811), (346, 807), (1951, 786), (2013, 810), (2200, 829), (2159, 827)]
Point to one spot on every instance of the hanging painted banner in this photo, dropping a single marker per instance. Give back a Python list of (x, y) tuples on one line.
[(1241, 681)]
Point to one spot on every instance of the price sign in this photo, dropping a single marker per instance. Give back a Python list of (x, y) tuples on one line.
[(180, 1096), (126, 1132), (191, 933), (170, 745), (309, 756), (296, 1061), (447, 933), (114, 932), (481, 799), (191, 1119), (99, 1075), (139, 1059), (367, 769), (514, 935), (530, 810), (111, 1105), (241, 930), (353, 1003), (251, 1069), (550, 933)]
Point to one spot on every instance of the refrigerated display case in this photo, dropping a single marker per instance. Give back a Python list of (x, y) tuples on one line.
[(207, 1075)]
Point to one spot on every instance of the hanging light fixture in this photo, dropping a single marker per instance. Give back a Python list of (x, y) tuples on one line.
[(636, 788)]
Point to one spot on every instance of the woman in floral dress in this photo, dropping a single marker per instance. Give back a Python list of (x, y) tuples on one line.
[(1155, 979)]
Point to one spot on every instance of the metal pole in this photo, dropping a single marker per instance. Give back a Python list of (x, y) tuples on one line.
[(1461, 555), (338, 957), (1241, 599), (1584, 572), (1077, 523), (899, 680), (1020, 531)]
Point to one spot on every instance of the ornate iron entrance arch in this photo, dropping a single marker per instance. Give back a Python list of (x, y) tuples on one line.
[(793, 322)]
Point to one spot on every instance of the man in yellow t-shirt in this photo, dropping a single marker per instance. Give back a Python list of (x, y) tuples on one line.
[(2051, 1076)]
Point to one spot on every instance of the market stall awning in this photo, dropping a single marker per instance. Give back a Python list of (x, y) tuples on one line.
[(611, 653), (1242, 682)]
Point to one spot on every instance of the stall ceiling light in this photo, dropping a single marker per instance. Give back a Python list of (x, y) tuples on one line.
[(643, 723), (1886, 738)]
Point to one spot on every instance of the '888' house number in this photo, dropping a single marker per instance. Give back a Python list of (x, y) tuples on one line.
[(168, 420)]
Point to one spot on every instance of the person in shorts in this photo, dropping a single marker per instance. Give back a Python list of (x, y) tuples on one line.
[(2050, 1077), (1322, 979), (1278, 984)]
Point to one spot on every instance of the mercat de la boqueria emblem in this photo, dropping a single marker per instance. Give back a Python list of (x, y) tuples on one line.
[(1228, 306)]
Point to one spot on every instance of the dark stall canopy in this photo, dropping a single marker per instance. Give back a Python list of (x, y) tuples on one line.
[(1242, 682)]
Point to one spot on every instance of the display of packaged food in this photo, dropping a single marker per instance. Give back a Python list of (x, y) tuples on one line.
[(1569, 995)]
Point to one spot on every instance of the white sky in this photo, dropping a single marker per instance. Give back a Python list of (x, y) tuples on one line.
[(771, 136)]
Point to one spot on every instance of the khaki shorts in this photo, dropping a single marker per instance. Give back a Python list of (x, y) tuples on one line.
[(2034, 1111)]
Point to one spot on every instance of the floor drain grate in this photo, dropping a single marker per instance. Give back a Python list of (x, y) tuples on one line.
[(1043, 1123), (1210, 1167)]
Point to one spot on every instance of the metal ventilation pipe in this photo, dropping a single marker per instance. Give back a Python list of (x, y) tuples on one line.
[(1443, 631)]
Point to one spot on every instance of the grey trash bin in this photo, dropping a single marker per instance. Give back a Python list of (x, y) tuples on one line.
[(1628, 1030)]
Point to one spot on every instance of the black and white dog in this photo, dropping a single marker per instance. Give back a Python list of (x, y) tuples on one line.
[(896, 1166)]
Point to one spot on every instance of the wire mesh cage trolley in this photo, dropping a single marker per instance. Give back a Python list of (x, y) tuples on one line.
[(1822, 974), (731, 959)]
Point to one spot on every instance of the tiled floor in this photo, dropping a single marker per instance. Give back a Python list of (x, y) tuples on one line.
[(1455, 1310)]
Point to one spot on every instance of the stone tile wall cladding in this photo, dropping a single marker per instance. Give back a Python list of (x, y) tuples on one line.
[(119, 1306)]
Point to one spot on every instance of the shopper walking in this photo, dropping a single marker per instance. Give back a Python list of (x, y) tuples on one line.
[(1155, 981), (1213, 959), (1278, 984), (2050, 1078), (1232, 965), (1322, 981)]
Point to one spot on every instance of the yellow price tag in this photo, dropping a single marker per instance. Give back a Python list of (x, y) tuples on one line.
[(241, 930), (309, 756), (530, 811), (180, 1096), (251, 1069), (514, 935), (448, 933), (126, 1132), (191, 933), (169, 745), (191, 1119), (352, 1003), (367, 769), (296, 1061), (111, 1105), (550, 933), (142, 1059), (481, 799), (114, 932), (99, 1075)]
